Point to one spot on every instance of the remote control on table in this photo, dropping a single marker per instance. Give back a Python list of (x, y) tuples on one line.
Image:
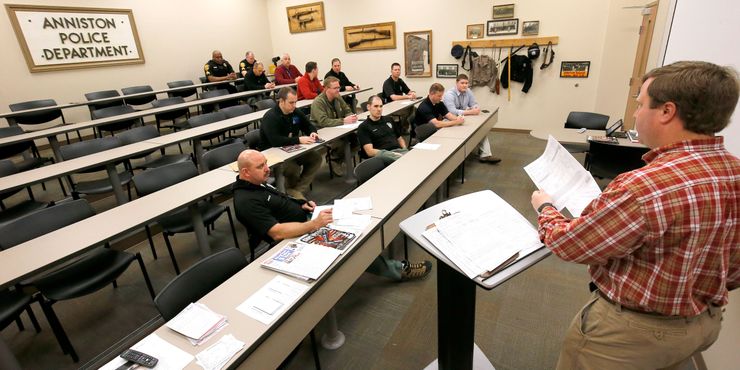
[(139, 358)]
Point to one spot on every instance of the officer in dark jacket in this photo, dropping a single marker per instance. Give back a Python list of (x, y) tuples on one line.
[(217, 69)]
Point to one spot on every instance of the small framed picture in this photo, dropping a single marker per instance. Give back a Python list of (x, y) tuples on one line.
[(502, 27), (575, 69), (447, 70), (503, 11), (530, 28), (475, 31)]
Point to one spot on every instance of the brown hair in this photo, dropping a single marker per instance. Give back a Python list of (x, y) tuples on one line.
[(284, 92), (329, 80), (435, 88), (310, 66), (462, 76), (705, 94)]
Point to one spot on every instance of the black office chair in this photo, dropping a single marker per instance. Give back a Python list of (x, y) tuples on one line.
[(138, 100), (207, 108), (26, 154), (88, 274), (607, 161), (368, 168), (171, 115), (252, 139), (8, 214), (115, 110), (138, 134), (199, 279), (101, 185), (264, 104), (221, 156), (12, 304), (39, 117), (95, 95), (587, 120), (183, 93), (179, 221), (363, 106), (424, 131), (206, 119), (238, 110)]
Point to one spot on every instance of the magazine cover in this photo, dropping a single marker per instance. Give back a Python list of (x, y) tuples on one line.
[(329, 237)]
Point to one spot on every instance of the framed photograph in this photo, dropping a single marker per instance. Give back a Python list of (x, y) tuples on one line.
[(475, 31), (575, 69), (417, 53), (503, 11), (502, 27), (447, 70), (530, 28), (306, 17), (50, 44), (370, 36)]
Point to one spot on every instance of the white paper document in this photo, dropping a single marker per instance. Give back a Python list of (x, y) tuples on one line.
[(357, 204), (219, 353), (197, 322), (426, 146), (564, 178), (169, 356), (350, 126), (272, 299)]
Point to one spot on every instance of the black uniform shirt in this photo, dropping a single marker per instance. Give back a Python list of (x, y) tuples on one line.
[(391, 87), (428, 111), (278, 129), (343, 80), (382, 134), (217, 70), (260, 207)]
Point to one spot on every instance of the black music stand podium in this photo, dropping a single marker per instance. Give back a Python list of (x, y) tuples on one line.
[(456, 292)]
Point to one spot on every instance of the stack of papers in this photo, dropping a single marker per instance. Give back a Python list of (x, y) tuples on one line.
[(426, 146), (218, 354), (272, 299), (197, 322), (564, 178), (302, 261), (344, 216)]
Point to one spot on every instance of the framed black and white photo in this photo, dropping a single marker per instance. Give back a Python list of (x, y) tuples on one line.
[(475, 31), (502, 27), (447, 70), (530, 28), (503, 11)]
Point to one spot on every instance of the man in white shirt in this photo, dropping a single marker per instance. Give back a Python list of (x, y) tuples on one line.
[(459, 100)]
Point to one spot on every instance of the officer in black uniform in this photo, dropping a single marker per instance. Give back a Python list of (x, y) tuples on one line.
[(217, 69), (246, 65)]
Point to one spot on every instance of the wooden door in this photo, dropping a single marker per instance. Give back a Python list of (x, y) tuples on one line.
[(641, 56)]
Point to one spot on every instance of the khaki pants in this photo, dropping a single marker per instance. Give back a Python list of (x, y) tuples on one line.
[(605, 336), (299, 172)]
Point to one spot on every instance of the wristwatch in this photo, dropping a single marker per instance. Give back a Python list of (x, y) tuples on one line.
[(543, 205)]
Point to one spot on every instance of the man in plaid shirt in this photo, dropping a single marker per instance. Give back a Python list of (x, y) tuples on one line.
[(662, 242)]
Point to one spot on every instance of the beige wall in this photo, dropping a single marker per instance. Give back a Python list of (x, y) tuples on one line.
[(582, 26), (177, 38)]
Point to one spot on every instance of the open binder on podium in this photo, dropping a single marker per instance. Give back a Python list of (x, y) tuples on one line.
[(480, 233)]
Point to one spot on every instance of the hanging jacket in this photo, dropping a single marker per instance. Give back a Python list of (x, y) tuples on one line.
[(484, 72), (521, 71)]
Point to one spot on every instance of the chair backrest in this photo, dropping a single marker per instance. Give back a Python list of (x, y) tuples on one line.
[(155, 179), (368, 168), (7, 167), (115, 111), (424, 131), (363, 106), (95, 95), (236, 110), (87, 147), (204, 119), (138, 100), (138, 134), (265, 104), (223, 155), (7, 151), (588, 120), (213, 93), (43, 221), (173, 114), (252, 139), (195, 282), (183, 93), (39, 117)]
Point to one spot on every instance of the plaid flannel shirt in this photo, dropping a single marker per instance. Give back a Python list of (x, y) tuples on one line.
[(664, 238)]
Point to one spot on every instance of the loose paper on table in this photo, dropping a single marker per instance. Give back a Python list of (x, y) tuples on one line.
[(272, 299)]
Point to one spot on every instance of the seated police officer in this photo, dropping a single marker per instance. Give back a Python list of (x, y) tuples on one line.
[(217, 69), (378, 135)]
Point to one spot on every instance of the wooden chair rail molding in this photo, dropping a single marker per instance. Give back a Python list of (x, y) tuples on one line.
[(505, 43)]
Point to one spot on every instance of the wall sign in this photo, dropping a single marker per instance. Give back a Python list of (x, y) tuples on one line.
[(55, 38)]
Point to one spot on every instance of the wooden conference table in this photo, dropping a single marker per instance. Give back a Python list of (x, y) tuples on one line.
[(413, 177)]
